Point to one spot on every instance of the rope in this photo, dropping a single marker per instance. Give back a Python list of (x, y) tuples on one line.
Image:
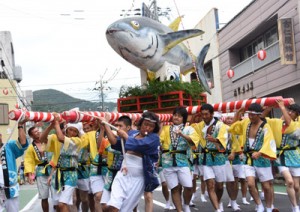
[(188, 44)]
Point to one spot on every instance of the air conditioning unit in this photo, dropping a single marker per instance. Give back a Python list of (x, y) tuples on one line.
[(18, 74)]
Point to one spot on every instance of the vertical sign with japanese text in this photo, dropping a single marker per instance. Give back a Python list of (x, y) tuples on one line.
[(286, 41)]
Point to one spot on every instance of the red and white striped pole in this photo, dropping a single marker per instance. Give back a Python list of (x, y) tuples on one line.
[(227, 107), (78, 116), (32, 116)]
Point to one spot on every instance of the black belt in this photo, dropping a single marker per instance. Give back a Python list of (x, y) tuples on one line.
[(99, 167), (114, 173), (210, 151), (45, 163), (62, 170), (174, 152), (281, 156)]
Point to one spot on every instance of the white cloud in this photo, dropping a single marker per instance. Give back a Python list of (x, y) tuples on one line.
[(55, 48)]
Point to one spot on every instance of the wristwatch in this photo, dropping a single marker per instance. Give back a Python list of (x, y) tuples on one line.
[(20, 127)]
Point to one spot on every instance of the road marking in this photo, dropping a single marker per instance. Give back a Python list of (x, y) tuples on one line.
[(158, 203), (29, 204)]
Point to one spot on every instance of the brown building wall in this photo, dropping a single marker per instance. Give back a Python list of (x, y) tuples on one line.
[(247, 25)]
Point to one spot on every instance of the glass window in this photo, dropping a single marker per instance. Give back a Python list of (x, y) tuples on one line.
[(271, 36)]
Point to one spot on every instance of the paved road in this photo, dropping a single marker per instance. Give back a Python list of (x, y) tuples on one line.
[(281, 202)]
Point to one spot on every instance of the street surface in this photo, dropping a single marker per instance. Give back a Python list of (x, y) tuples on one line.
[(28, 193)]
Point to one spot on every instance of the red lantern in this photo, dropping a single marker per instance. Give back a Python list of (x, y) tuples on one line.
[(230, 73), (262, 54)]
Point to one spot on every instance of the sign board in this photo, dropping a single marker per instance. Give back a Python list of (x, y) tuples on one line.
[(286, 41)]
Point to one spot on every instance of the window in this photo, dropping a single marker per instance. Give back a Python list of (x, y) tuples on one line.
[(4, 114), (261, 42)]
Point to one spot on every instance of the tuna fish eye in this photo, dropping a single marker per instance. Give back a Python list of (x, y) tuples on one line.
[(135, 24)]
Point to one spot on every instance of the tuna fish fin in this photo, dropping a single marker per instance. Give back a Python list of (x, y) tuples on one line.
[(200, 68), (171, 39), (175, 24), (150, 75)]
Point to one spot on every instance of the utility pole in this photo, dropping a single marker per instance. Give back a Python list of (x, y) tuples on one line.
[(102, 85)]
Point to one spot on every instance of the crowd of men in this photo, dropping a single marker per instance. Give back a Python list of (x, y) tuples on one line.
[(98, 167)]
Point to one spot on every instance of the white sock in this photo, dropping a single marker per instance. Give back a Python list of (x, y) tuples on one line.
[(186, 208), (221, 206), (234, 205), (167, 204), (296, 209), (193, 197), (260, 207), (269, 209)]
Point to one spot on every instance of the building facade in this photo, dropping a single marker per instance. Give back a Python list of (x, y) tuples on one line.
[(11, 96), (267, 25), (210, 25)]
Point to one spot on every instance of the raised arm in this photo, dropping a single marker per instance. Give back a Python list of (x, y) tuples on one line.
[(45, 133), (286, 116), (21, 132)]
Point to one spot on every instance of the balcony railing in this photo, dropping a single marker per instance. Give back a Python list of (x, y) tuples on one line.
[(251, 64)]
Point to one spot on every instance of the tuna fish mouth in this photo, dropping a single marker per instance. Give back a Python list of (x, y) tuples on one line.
[(121, 49), (112, 31)]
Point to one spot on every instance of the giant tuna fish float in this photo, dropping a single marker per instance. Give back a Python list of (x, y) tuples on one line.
[(148, 44)]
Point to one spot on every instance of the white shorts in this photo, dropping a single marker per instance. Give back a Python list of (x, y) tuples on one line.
[(53, 196), (178, 175), (295, 172), (65, 195), (43, 187), (9, 204), (83, 184), (215, 172), (262, 173), (105, 196), (162, 177), (97, 183), (128, 189), (239, 171), (229, 172), (198, 170)]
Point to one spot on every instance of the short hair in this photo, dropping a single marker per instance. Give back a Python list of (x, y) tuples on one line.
[(30, 130), (152, 116), (295, 108), (208, 107), (183, 112), (126, 120), (255, 108)]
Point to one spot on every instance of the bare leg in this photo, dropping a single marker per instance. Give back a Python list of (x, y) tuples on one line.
[(176, 197), (148, 201), (165, 191), (97, 199), (268, 191), (63, 207), (219, 190), (45, 205), (84, 200), (210, 183), (296, 186), (253, 190), (92, 202), (113, 209)]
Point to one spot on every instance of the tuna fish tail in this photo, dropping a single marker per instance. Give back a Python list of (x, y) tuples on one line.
[(200, 68)]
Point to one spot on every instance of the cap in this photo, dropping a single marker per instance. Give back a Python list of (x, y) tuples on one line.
[(78, 126)]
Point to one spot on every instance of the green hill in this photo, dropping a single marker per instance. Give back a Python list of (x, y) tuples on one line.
[(56, 101)]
